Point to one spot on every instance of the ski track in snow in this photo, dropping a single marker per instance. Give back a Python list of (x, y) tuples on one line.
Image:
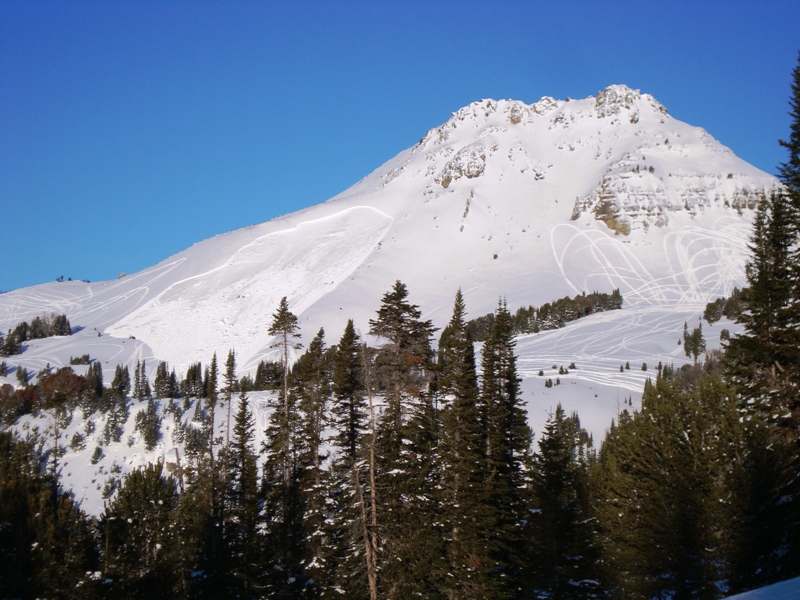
[(215, 309), (701, 264)]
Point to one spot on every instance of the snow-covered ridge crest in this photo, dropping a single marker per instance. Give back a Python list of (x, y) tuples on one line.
[(486, 112), (606, 103)]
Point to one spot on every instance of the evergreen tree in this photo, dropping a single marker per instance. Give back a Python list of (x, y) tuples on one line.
[(162, 385), (507, 442), (284, 326), (192, 386), (115, 403), (405, 360), (759, 359), (196, 564), (468, 517), (212, 395), (242, 540), (763, 362), (311, 375), (121, 384), (283, 504), (349, 407), (230, 387), (43, 374), (94, 379), (60, 325), (790, 170), (565, 551), (46, 546), (694, 344), (407, 439), (269, 375), (666, 487), (282, 472), (790, 176), (12, 344), (22, 376), (145, 382), (212, 473), (352, 559), (138, 530), (148, 423), (137, 381)]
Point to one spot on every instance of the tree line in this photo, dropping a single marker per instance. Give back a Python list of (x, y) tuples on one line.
[(550, 315), (38, 328)]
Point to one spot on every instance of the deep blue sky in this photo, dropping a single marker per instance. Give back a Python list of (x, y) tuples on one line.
[(130, 130)]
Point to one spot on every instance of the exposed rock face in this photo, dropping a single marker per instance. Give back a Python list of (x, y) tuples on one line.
[(638, 197), (619, 154), (615, 98), (468, 162)]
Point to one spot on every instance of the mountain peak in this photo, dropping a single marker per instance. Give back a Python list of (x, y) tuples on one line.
[(618, 97)]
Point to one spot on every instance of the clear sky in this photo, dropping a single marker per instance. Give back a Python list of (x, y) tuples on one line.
[(130, 130)]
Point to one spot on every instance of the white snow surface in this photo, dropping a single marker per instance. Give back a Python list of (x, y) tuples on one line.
[(500, 201), (785, 590)]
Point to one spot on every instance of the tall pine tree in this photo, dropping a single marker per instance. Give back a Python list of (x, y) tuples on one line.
[(282, 471), (764, 362), (507, 445), (285, 328), (468, 516), (312, 375), (242, 505), (353, 538), (666, 491), (565, 553), (407, 438), (760, 359), (138, 531)]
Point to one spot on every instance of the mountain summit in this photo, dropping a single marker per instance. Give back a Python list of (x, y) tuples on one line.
[(526, 201)]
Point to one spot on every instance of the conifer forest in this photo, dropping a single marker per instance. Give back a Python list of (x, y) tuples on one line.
[(407, 469)]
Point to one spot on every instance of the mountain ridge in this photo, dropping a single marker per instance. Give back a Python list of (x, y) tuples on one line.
[(498, 200)]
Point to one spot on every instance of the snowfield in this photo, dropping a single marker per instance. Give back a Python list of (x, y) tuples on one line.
[(526, 202), (785, 590)]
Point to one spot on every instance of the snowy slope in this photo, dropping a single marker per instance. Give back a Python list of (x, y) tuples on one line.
[(785, 590), (93, 481), (529, 202)]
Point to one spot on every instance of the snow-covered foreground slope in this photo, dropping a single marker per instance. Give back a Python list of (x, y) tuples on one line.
[(785, 590), (528, 202), (93, 478)]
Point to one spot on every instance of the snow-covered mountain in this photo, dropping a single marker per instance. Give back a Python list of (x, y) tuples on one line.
[(531, 202)]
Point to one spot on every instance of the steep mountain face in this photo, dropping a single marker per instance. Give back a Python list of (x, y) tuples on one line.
[(531, 202)]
